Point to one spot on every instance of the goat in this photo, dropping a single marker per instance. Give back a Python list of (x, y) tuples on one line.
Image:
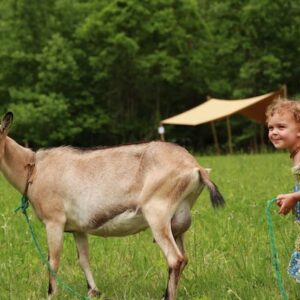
[(109, 192)]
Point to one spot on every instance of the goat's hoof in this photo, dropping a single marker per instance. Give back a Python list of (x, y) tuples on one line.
[(94, 293)]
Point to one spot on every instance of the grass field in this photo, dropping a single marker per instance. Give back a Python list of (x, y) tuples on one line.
[(229, 253)]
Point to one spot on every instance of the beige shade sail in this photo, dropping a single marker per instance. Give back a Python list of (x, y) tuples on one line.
[(215, 109)]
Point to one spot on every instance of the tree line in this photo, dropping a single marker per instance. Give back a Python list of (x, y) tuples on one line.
[(106, 72)]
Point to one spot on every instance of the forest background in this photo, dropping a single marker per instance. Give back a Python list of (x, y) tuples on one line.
[(106, 72)]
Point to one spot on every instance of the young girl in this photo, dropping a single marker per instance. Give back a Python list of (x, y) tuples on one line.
[(283, 119)]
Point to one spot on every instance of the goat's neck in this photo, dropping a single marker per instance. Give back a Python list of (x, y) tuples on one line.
[(14, 163)]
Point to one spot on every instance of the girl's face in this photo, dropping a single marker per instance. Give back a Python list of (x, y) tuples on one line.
[(284, 131)]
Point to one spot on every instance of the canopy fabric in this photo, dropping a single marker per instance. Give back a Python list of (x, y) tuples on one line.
[(215, 109)]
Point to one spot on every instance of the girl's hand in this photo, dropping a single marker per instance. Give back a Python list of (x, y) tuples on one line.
[(286, 202)]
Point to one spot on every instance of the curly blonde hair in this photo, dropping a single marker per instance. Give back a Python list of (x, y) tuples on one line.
[(281, 106)]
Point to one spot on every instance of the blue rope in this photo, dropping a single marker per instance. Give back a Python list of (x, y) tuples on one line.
[(23, 206), (275, 259)]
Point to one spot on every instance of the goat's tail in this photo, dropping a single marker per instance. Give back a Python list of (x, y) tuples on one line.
[(215, 196)]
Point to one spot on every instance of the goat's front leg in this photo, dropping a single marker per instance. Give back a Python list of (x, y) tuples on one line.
[(83, 257), (55, 234)]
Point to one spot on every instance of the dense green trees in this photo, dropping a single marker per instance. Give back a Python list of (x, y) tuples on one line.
[(105, 72)]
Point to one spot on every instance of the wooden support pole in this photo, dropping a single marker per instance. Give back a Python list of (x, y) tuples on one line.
[(229, 134), (215, 137), (261, 135), (284, 91), (214, 133)]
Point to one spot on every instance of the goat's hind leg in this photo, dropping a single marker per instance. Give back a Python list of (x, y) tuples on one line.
[(180, 224), (159, 221), (180, 244), (83, 257)]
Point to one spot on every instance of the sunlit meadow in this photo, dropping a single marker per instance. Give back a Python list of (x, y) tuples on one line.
[(229, 251)]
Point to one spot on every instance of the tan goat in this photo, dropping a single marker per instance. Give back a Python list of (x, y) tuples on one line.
[(109, 192)]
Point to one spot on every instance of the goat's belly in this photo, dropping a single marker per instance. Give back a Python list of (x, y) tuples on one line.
[(126, 223)]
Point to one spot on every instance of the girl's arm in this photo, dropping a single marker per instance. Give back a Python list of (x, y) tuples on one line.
[(287, 202)]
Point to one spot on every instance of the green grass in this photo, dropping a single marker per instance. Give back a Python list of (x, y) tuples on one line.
[(229, 251)]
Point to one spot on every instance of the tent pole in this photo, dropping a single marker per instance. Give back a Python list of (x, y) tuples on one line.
[(215, 136), (284, 91), (255, 146), (229, 134), (214, 133), (262, 133)]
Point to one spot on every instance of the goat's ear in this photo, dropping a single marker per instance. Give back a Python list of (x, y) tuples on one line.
[(6, 122)]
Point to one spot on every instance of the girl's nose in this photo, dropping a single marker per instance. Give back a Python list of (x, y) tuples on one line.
[(275, 131)]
